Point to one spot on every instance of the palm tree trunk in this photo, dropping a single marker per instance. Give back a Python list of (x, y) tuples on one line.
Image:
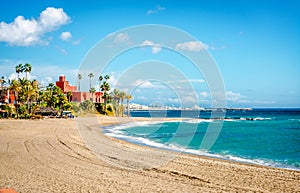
[(128, 108), (122, 109), (104, 102), (79, 84), (90, 83), (27, 105), (105, 105), (17, 106)]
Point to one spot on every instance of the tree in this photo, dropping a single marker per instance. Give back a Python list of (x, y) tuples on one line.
[(15, 87), (19, 69), (128, 97), (2, 82), (28, 93), (115, 95), (92, 90), (87, 106), (27, 68), (79, 78), (105, 87), (62, 101), (100, 80), (55, 98), (69, 95), (122, 97), (107, 77), (91, 75)]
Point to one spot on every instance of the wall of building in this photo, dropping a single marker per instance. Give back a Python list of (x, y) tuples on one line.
[(7, 96), (82, 96), (64, 85), (78, 96)]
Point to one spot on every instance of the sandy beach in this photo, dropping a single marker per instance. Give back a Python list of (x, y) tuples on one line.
[(52, 155)]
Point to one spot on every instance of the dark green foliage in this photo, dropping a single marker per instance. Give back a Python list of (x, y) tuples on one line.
[(87, 106)]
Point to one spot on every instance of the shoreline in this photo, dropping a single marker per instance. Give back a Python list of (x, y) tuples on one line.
[(53, 156), (212, 156)]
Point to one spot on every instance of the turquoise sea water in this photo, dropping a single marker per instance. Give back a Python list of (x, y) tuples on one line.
[(259, 136)]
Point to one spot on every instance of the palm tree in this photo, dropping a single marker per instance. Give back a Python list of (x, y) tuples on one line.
[(34, 94), (128, 97), (28, 92), (100, 80), (91, 75), (27, 68), (19, 69), (2, 82), (115, 98), (62, 100), (107, 77), (79, 78), (122, 97), (115, 95), (92, 90), (105, 87), (15, 87), (69, 95), (55, 98)]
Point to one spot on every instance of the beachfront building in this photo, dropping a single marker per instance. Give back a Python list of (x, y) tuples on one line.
[(6, 96), (78, 96)]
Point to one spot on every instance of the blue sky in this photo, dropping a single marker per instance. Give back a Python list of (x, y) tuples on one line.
[(254, 43)]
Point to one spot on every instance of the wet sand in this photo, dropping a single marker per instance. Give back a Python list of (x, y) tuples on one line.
[(59, 155)]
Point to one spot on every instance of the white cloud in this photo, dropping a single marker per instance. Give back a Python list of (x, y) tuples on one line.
[(121, 38), (141, 98), (65, 35), (52, 17), (192, 46), (147, 84), (173, 100), (76, 42), (40, 71), (192, 81), (113, 79), (264, 102), (156, 48), (157, 9), (229, 96), (233, 97), (204, 94), (26, 32), (189, 99), (148, 43), (14, 75), (61, 50), (46, 81)]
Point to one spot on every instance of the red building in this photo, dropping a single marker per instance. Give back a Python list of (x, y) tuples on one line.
[(7, 96), (64, 85), (78, 96)]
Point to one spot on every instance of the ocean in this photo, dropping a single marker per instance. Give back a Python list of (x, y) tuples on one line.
[(268, 137)]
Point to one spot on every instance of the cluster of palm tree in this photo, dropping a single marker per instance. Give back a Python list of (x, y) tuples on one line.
[(118, 98), (26, 92), (23, 68), (54, 97), (103, 86), (28, 95)]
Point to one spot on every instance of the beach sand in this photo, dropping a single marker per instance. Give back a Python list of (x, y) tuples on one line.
[(50, 155)]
